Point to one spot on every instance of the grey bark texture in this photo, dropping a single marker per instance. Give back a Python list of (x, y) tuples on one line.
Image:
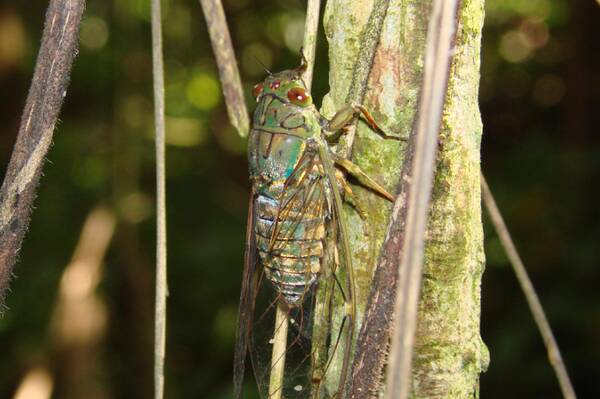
[(450, 354)]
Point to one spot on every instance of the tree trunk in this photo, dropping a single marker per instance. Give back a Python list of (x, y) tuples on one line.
[(450, 354)]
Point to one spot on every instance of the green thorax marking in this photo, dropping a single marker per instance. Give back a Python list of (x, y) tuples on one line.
[(284, 119)]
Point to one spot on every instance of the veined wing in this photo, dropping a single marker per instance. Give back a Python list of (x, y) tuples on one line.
[(247, 300)]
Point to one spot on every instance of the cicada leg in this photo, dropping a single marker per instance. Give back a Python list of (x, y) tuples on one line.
[(362, 177), (336, 127), (349, 195), (349, 114)]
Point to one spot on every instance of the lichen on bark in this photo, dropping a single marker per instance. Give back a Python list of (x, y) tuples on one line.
[(450, 354)]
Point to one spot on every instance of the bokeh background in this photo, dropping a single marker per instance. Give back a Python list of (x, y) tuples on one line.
[(79, 318)]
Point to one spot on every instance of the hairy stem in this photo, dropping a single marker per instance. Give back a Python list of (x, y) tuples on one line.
[(46, 94)]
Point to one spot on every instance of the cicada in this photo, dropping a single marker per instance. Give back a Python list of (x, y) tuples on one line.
[(297, 308)]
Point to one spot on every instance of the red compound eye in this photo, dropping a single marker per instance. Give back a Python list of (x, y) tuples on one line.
[(257, 90), (298, 96), (274, 85)]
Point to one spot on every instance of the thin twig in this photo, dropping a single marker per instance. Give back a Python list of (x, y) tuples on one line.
[(280, 333), (554, 355), (227, 65), (309, 45), (46, 94), (442, 26), (160, 317)]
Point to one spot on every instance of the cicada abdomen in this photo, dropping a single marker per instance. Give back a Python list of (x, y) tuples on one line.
[(290, 245)]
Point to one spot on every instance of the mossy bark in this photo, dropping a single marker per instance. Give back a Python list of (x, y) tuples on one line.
[(449, 352)]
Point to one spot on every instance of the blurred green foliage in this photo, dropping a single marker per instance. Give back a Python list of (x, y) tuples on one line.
[(539, 98)]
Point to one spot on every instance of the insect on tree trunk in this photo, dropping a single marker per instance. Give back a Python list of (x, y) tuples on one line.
[(449, 353)]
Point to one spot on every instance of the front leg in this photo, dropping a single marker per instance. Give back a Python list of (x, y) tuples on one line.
[(348, 115)]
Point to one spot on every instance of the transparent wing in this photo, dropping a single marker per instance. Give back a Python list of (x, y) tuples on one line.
[(247, 300)]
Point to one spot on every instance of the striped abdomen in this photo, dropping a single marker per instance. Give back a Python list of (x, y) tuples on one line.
[(289, 239)]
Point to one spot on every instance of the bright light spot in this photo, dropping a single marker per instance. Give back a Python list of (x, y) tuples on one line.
[(298, 388), (539, 8), (184, 132), (203, 91), (79, 280), (80, 322), (135, 207), (534, 32), (224, 325), (37, 384), (293, 32), (136, 111), (94, 33), (80, 316), (514, 47), (180, 24), (13, 40), (272, 341), (548, 90)]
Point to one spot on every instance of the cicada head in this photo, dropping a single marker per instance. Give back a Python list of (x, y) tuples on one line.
[(287, 86)]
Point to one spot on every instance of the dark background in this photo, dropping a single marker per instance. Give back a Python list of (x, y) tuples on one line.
[(540, 100)]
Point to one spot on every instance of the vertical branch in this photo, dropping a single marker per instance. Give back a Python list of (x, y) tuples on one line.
[(46, 94), (442, 27), (160, 322), (362, 67), (227, 65), (533, 300), (309, 44)]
